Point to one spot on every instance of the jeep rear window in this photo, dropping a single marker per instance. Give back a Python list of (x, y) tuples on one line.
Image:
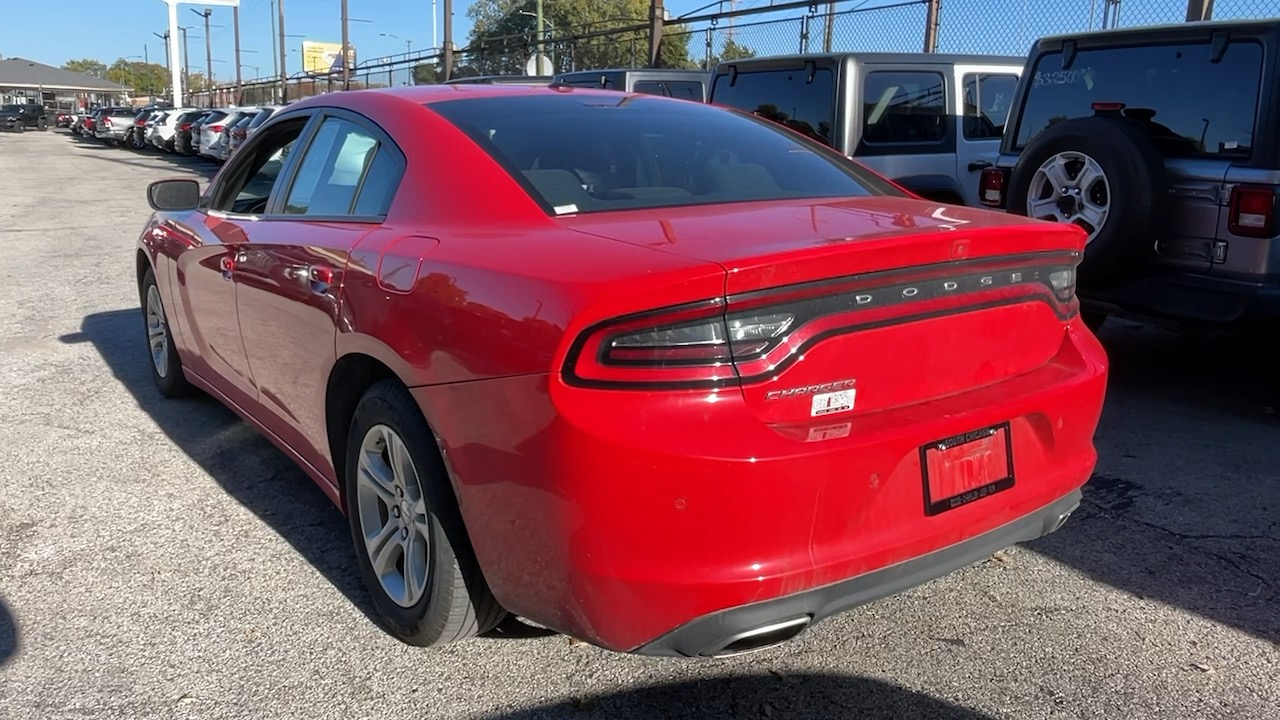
[(783, 96), (1192, 106)]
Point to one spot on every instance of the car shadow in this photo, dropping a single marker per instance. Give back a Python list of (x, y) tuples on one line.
[(148, 158), (8, 634), (1183, 507), (808, 696), (247, 466)]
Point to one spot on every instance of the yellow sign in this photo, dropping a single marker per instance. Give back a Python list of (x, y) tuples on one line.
[(322, 58)]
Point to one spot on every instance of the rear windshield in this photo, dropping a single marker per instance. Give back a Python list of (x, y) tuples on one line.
[(260, 118), (785, 96), (682, 89), (590, 153), (1192, 106)]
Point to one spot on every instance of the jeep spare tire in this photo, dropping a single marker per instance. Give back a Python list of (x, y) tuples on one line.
[(1101, 173)]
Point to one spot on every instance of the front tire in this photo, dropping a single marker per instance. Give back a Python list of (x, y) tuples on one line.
[(410, 540), (166, 366)]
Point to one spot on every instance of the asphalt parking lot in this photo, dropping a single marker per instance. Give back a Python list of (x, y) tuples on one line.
[(159, 559)]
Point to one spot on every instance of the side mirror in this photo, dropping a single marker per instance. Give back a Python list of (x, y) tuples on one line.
[(173, 195)]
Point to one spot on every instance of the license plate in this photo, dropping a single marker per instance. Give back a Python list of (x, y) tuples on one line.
[(965, 468)]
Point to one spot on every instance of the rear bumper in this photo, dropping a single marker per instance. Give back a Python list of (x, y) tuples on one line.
[(632, 520), (754, 626)]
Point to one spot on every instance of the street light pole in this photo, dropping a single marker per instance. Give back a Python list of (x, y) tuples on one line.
[(346, 71), (235, 21), (284, 72), (208, 43)]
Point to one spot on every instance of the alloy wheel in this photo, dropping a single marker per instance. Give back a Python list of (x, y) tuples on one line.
[(157, 332), (392, 515), (1071, 187)]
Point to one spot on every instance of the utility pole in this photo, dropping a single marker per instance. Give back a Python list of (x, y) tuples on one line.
[(186, 60), (447, 55), (165, 37), (435, 17), (235, 21), (208, 44), (931, 26), (829, 39), (657, 15), (146, 61), (537, 64), (1199, 10), (346, 71), (284, 72)]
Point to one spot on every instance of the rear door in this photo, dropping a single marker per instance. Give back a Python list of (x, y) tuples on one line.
[(291, 271), (905, 132), (982, 109)]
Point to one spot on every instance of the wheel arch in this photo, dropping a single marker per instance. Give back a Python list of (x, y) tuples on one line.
[(351, 377)]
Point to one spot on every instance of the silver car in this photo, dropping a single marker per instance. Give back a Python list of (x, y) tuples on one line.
[(114, 123), (211, 132)]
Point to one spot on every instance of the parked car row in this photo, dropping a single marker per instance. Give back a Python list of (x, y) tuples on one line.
[(211, 133)]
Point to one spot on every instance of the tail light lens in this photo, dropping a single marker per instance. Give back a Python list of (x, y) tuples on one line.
[(991, 187), (216, 128), (185, 127), (1253, 211), (106, 121)]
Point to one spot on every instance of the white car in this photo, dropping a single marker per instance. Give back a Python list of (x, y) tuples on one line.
[(165, 127), (211, 132)]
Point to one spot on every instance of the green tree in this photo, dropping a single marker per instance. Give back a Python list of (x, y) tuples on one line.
[(732, 51), (88, 66), (427, 73), (144, 78), (503, 36)]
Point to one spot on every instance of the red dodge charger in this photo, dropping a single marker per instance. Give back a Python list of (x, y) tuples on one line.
[(662, 376)]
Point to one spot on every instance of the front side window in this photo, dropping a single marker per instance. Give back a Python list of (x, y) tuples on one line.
[(987, 99), (331, 170), (250, 181), (1189, 104), (583, 155), (789, 97), (903, 108)]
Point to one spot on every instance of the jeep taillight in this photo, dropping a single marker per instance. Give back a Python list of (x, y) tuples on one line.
[(1252, 211), (991, 186)]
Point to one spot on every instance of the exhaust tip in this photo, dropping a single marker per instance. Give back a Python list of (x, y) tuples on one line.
[(760, 638)]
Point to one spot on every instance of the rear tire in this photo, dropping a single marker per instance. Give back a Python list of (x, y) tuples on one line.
[(1131, 193), (410, 541)]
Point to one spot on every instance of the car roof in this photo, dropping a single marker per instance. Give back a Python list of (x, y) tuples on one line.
[(1185, 29), (883, 58), (428, 94)]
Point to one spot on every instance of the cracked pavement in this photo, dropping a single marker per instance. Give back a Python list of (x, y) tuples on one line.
[(161, 560)]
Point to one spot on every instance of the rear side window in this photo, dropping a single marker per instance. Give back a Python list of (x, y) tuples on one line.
[(679, 89), (260, 118), (788, 97), (903, 108), (575, 154), (987, 99), (331, 173), (1190, 105)]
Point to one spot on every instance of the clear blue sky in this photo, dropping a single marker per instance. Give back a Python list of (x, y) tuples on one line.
[(54, 31)]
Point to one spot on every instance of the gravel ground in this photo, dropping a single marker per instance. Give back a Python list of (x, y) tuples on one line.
[(161, 560)]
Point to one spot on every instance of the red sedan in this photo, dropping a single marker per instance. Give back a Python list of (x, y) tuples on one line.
[(665, 377)]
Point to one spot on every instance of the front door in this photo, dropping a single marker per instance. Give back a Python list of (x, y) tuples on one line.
[(291, 277), (986, 94)]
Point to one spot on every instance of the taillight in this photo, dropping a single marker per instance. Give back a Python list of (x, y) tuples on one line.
[(216, 128), (185, 127), (754, 336), (106, 121), (1253, 211), (991, 186)]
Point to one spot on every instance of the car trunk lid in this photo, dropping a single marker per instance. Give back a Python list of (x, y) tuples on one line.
[(840, 308)]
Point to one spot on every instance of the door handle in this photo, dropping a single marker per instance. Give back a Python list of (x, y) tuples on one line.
[(228, 265), (977, 165)]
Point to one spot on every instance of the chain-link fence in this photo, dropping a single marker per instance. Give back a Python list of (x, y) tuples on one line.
[(966, 26), (987, 27)]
